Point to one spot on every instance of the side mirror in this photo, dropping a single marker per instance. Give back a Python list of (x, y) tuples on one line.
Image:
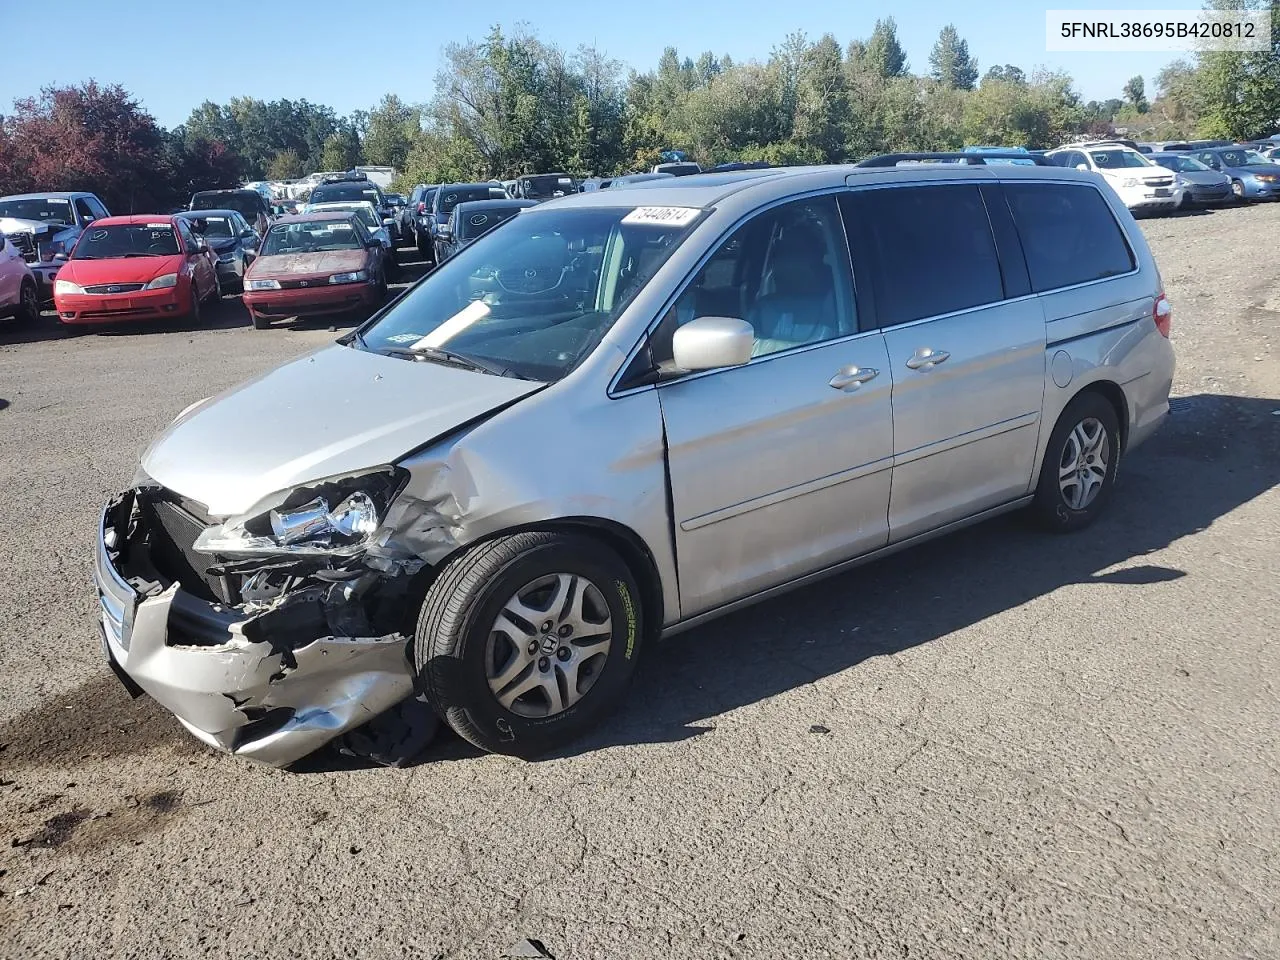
[(249, 234), (1082, 166), (89, 220), (388, 221), (60, 258), (444, 232), (706, 343), (373, 244)]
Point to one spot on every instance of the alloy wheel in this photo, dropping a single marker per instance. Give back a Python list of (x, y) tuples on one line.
[(1082, 469), (548, 645)]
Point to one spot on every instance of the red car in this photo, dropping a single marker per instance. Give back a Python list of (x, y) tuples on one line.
[(143, 267), (315, 263)]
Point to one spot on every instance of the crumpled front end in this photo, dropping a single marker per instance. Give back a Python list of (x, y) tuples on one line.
[(267, 657)]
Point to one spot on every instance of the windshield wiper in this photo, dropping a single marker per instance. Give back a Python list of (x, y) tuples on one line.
[(128, 255), (436, 355)]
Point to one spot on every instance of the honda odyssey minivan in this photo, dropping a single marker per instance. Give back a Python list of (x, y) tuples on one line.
[(615, 417)]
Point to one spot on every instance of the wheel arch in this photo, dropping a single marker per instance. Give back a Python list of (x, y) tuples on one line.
[(624, 541), (1114, 394)]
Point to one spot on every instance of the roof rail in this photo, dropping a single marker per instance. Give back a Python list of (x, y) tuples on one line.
[(973, 159)]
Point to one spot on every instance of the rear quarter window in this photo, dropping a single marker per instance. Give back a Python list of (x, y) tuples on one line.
[(1069, 234)]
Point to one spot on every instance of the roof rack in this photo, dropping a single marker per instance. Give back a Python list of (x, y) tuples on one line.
[(973, 159)]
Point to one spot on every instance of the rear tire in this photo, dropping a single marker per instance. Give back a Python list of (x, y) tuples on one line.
[(560, 670), (1079, 468)]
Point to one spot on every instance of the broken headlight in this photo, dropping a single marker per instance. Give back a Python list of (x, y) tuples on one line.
[(334, 518)]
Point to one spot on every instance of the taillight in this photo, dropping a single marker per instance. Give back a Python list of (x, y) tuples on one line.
[(422, 208), (1162, 314)]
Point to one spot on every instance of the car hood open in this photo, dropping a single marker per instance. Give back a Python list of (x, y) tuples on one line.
[(333, 412)]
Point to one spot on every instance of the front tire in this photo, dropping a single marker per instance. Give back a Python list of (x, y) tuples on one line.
[(524, 643), (1079, 468), (1237, 188), (28, 303)]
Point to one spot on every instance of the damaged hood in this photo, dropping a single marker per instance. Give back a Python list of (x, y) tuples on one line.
[(16, 225), (336, 411)]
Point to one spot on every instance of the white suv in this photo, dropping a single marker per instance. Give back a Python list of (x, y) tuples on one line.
[(1141, 184)]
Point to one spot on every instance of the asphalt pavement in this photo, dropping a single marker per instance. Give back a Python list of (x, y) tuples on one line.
[(1003, 744)]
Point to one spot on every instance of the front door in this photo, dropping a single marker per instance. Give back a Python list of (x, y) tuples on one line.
[(782, 466)]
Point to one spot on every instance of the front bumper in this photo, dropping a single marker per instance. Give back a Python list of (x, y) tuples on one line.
[(265, 686), (1261, 191), (310, 301), (107, 308)]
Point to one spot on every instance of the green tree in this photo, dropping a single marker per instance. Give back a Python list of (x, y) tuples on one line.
[(390, 133), (950, 63), (1135, 93), (341, 150), (286, 165), (884, 54), (1240, 92), (821, 101), (1006, 73)]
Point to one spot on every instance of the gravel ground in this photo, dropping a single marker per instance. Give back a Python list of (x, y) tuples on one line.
[(1000, 745)]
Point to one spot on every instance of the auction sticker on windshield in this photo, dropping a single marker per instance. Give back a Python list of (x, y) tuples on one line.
[(663, 216)]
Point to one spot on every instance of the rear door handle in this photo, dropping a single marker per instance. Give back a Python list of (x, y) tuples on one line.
[(852, 377), (926, 357)]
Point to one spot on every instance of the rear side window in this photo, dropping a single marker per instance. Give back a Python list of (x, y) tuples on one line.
[(1069, 234), (932, 250)]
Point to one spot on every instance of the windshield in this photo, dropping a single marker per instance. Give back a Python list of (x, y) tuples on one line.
[(536, 297), (1184, 164), (1117, 159), (451, 198), (311, 236), (480, 222), (214, 227), (546, 187), (361, 210), (126, 240), (245, 202), (46, 211), (329, 192)]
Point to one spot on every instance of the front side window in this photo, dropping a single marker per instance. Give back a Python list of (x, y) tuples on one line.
[(215, 227), (786, 272), (126, 240), (1069, 234), (534, 299), (83, 211), (932, 250)]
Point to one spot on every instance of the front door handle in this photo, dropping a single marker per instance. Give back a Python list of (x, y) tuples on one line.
[(926, 357), (852, 377)]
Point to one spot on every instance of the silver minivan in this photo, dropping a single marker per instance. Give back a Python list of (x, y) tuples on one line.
[(618, 415)]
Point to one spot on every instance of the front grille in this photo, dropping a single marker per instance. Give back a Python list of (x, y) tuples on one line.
[(114, 287), (309, 284), (26, 245), (173, 531), (1161, 182)]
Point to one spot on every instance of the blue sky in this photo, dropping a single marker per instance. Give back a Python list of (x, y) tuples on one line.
[(172, 56)]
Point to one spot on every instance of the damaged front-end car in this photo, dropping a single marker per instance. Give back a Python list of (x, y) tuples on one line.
[(272, 633)]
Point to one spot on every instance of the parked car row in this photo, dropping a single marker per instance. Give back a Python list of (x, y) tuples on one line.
[(1175, 178)]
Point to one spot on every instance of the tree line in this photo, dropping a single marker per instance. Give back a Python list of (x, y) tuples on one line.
[(513, 103)]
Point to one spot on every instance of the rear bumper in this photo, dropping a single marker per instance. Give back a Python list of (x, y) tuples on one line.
[(310, 301), (271, 687), (142, 305)]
